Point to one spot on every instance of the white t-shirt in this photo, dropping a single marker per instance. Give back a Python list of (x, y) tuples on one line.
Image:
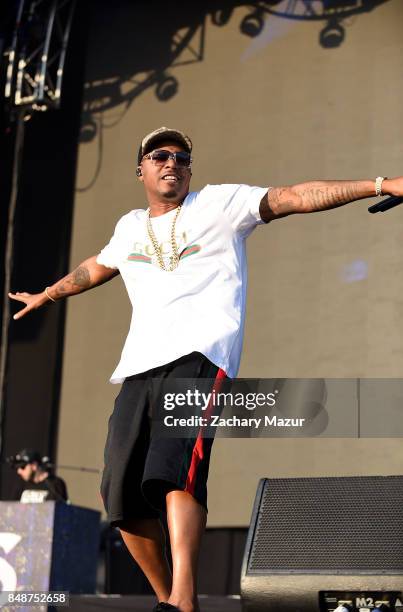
[(200, 306)]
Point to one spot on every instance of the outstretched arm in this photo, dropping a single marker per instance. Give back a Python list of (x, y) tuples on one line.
[(321, 195), (87, 275)]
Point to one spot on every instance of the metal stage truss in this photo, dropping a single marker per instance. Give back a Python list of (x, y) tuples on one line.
[(316, 9), (37, 54), (333, 12)]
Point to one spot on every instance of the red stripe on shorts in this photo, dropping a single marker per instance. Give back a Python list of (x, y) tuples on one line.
[(198, 452)]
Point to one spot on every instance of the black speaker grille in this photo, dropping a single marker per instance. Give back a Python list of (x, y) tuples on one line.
[(321, 524)]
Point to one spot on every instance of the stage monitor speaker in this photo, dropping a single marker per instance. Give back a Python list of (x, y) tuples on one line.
[(325, 544)]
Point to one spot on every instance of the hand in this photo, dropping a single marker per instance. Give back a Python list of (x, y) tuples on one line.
[(32, 301), (393, 187)]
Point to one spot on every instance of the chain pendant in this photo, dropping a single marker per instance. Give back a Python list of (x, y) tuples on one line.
[(174, 259)]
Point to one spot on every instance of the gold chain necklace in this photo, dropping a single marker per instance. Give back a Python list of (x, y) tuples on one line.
[(174, 259)]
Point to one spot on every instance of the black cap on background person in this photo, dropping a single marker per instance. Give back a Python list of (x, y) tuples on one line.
[(27, 455)]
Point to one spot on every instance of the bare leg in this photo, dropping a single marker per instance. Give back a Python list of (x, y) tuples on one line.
[(186, 523), (145, 540)]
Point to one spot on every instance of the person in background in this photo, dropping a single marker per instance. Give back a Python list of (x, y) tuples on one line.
[(38, 484)]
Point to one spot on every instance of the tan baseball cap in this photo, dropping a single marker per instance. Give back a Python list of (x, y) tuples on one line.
[(163, 133)]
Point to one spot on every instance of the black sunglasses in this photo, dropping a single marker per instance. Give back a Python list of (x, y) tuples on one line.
[(161, 156)]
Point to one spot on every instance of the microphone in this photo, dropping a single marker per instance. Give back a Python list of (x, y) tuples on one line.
[(386, 204)]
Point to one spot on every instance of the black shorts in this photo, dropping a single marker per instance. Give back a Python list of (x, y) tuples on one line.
[(141, 469)]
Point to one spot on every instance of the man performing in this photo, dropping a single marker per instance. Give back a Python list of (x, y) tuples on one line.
[(183, 263)]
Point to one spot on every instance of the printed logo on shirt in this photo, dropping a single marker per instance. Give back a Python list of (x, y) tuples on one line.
[(32, 496), (190, 250), (145, 253), (139, 257)]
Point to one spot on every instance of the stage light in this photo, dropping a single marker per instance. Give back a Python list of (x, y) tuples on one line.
[(342, 608), (332, 36), (252, 24), (221, 17), (88, 130), (167, 88)]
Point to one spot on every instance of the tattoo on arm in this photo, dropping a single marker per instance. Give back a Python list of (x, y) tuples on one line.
[(81, 277), (79, 280), (325, 197), (312, 197)]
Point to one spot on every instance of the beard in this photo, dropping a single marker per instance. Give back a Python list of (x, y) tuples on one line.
[(172, 194)]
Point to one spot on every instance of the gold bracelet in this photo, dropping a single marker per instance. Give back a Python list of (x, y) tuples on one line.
[(47, 294)]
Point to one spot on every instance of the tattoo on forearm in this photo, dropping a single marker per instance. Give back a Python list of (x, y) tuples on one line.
[(81, 277), (322, 198), (309, 197), (77, 281)]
